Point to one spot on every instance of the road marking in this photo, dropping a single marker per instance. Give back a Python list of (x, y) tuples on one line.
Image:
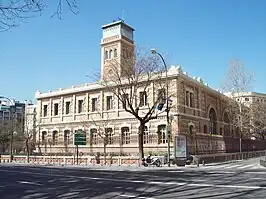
[(199, 180), (257, 178), (216, 166), (249, 165), (132, 196), (221, 172), (232, 166), (255, 172), (31, 183), (139, 181), (176, 171)]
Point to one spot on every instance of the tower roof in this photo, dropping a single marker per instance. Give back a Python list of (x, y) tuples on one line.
[(120, 21)]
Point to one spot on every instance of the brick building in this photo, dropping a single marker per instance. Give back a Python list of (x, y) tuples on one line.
[(198, 110)]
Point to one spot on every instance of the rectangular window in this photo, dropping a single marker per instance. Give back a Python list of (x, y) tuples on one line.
[(56, 109), (162, 134), (146, 135), (246, 99), (187, 98), (80, 106), (161, 95), (143, 99), (191, 98), (109, 102), (125, 100), (93, 104), (67, 108), (109, 136), (45, 110), (94, 136), (125, 135)]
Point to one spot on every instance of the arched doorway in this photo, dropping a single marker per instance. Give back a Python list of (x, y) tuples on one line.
[(213, 121)]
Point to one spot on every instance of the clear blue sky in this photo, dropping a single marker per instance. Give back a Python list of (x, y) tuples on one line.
[(202, 36)]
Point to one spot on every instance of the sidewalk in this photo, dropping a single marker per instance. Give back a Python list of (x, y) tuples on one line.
[(116, 167)]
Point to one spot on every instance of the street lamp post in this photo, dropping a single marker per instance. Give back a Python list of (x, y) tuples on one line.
[(12, 111), (167, 107)]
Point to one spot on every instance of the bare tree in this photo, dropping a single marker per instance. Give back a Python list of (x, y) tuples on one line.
[(29, 138), (258, 121), (14, 12), (5, 132), (102, 129), (237, 82), (11, 133), (139, 83)]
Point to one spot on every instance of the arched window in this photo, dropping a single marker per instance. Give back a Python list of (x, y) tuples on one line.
[(213, 121), (110, 54), (191, 129), (106, 54), (44, 137), (115, 52), (66, 137), (55, 138)]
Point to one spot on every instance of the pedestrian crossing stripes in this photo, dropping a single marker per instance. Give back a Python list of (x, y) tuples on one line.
[(234, 166)]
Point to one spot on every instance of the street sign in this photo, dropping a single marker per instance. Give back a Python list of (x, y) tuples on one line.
[(80, 138)]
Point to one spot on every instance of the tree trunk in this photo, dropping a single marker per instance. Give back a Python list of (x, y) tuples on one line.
[(104, 154), (39, 148), (104, 148), (66, 148), (3, 148), (141, 132), (28, 150)]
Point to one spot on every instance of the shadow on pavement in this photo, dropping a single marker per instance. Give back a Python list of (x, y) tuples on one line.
[(52, 183)]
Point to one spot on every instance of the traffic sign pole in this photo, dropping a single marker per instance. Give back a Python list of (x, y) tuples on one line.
[(77, 154)]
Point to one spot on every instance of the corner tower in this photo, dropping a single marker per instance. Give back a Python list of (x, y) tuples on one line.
[(117, 44)]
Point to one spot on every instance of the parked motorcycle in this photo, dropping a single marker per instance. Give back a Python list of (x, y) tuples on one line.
[(189, 160), (151, 162)]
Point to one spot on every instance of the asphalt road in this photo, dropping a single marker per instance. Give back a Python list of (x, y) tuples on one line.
[(39, 182)]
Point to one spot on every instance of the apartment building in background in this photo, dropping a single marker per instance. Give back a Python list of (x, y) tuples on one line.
[(12, 118), (255, 103)]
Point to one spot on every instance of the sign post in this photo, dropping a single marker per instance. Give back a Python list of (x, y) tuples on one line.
[(79, 139)]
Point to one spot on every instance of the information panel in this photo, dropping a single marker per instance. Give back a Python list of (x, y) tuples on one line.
[(180, 146)]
